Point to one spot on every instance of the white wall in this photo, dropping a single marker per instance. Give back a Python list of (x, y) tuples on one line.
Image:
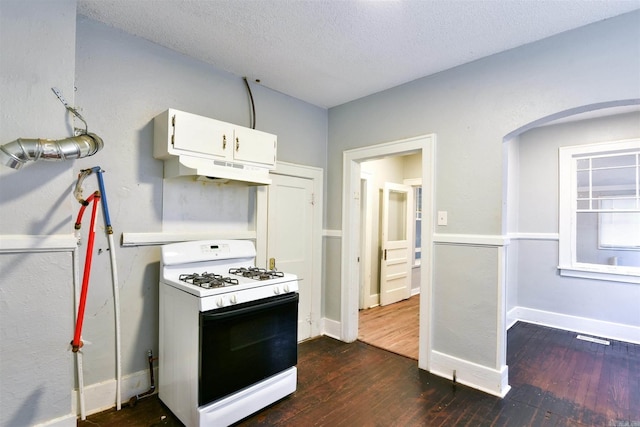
[(539, 286), (122, 83), (471, 109)]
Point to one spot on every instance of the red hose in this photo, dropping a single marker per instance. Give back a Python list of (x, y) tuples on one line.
[(95, 198), (83, 207)]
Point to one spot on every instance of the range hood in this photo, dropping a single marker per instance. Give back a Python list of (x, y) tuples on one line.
[(215, 171), (212, 150)]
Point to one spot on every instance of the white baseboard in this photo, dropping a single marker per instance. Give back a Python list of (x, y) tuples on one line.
[(331, 328), (512, 317), (102, 396), (584, 325), (479, 377), (64, 421), (372, 300), (485, 379)]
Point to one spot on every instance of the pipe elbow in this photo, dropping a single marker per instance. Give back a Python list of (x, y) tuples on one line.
[(16, 153)]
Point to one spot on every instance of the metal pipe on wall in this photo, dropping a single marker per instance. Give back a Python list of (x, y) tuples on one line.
[(16, 153)]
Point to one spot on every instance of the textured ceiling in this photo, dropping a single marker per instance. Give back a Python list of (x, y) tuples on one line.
[(328, 52)]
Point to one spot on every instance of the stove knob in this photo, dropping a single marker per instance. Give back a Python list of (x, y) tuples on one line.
[(233, 299), (276, 290), (286, 288), (220, 302)]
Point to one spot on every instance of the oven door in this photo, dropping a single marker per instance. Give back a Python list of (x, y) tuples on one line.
[(243, 344)]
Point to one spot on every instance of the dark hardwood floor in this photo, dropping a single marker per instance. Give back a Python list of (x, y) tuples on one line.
[(393, 327), (556, 380)]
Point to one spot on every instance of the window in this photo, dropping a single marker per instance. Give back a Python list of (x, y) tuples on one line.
[(600, 211)]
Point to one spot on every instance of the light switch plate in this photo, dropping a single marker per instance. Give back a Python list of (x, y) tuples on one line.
[(442, 217)]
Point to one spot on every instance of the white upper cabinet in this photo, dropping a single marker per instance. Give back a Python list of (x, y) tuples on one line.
[(177, 133), (254, 146), (198, 136)]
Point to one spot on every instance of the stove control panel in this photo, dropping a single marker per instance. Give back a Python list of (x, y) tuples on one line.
[(215, 249), (207, 251)]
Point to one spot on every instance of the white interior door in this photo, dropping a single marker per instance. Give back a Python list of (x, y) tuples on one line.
[(289, 237), (396, 243)]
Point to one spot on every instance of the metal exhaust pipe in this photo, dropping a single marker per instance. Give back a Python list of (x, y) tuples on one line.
[(16, 153)]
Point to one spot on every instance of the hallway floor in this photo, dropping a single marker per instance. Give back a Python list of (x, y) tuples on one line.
[(393, 327)]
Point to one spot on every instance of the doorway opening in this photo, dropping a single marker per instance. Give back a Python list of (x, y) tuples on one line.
[(351, 234), (390, 221), (532, 287), (533, 223)]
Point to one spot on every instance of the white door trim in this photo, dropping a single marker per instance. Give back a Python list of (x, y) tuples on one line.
[(366, 299), (350, 269), (317, 175)]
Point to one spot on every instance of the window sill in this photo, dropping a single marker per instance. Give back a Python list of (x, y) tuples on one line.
[(599, 273)]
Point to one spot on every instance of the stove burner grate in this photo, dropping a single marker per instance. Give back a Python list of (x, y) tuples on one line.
[(208, 280), (256, 273)]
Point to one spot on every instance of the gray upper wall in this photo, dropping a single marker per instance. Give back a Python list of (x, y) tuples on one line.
[(471, 109)]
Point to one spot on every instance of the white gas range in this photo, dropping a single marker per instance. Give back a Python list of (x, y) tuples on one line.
[(228, 332)]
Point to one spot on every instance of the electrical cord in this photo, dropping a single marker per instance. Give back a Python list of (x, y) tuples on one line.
[(253, 107)]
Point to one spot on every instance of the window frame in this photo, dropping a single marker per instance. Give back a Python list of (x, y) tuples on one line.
[(567, 212)]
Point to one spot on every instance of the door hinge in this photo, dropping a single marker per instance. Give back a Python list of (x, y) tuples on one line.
[(385, 254)]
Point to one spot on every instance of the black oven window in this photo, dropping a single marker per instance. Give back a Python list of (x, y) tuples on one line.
[(244, 344)]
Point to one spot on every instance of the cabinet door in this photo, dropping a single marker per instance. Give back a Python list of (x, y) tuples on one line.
[(201, 137), (254, 147)]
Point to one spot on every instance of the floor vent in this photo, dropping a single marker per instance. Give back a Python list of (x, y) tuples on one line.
[(592, 339)]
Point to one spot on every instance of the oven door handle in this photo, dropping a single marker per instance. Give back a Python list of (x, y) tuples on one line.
[(252, 307)]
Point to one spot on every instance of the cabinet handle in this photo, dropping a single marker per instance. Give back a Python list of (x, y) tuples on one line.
[(224, 142), (237, 143)]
